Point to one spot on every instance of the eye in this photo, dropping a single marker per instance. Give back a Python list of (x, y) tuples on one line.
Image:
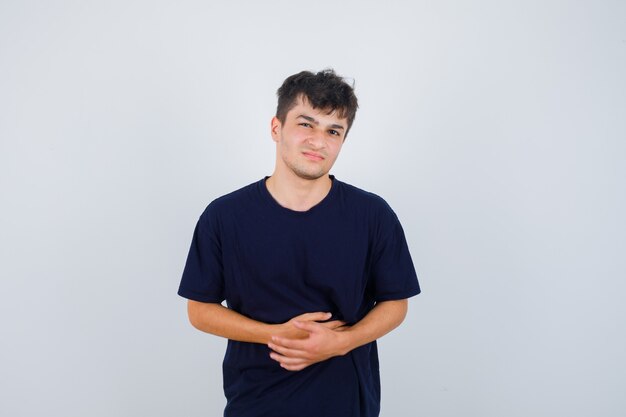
[(334, 132), (305, 124)]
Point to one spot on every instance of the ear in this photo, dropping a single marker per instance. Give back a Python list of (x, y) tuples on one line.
[(275, 127)]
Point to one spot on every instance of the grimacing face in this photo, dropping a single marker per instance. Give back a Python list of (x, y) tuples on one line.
[(309, 141)]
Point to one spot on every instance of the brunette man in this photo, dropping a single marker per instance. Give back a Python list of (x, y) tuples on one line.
[(313, 270)]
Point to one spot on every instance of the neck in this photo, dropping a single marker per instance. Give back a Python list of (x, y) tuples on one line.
[(295, 193)]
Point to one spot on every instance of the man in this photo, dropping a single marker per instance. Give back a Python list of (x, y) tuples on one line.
[(313, 270)]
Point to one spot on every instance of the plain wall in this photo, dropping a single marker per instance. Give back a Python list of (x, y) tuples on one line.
[(495, 129)]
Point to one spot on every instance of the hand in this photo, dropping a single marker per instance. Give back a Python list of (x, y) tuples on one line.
[(290, 331), (322, 342)]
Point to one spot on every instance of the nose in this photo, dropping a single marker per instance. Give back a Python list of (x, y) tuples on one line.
[(316, 139)]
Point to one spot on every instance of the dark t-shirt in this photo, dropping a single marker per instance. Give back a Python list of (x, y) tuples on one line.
[(271, 264)]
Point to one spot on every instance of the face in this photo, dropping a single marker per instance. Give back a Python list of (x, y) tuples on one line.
[(309, 141)]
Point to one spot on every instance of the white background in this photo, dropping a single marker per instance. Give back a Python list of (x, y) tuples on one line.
[(495, 129)]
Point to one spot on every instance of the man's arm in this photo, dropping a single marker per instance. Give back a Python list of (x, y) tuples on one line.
[(323, 343), (216, 319)]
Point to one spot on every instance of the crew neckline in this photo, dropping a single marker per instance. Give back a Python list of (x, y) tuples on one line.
[(271, 201)]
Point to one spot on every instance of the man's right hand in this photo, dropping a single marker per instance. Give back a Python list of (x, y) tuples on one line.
[(216, 319)]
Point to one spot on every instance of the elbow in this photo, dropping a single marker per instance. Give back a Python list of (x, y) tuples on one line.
[(397, 311), (203, 316), (403, 308), (194, 313)]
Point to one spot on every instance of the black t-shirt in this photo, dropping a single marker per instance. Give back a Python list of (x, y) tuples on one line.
[(271, 264)]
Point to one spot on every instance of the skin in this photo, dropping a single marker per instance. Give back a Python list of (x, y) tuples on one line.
[(307, 146)]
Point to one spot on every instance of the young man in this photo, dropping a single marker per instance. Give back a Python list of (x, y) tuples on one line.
[(313, 270)]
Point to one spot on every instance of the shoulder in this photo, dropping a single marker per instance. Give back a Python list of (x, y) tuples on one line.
[(365, 201), (370, 210), (230, 203), (234, 198)]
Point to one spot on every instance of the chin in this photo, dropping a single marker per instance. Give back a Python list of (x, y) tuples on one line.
[(306, 173), (310, 175)]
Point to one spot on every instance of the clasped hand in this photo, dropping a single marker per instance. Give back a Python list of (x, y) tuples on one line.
[(302, 341)]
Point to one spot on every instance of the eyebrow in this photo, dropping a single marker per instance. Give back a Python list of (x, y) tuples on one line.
[(315, 122)]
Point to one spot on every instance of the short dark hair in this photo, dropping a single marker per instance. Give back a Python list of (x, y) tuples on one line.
[(324, 90)]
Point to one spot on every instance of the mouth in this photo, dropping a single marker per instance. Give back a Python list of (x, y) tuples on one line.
[(313, 156)]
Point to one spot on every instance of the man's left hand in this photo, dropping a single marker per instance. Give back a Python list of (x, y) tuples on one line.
[(321, 344)]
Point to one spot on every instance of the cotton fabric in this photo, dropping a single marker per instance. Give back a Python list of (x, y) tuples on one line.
[(271, 264)]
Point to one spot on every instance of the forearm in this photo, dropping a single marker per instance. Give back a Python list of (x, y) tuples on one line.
[(383, 318), (323, 343), (221, 321)]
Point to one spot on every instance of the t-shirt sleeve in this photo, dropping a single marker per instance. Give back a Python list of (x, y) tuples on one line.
[(203, 278), (393, 273)]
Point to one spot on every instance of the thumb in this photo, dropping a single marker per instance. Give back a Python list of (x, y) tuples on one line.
[(318, 316)]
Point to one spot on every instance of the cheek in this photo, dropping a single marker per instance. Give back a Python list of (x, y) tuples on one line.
[(287, 149), (335, 149)]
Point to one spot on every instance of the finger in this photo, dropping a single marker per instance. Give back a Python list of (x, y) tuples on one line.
[(291, 353), (294, 368), (309, 326), (288, 361), (333, 324), (290, 364), (341, 328), (296, 344), (317, 316)]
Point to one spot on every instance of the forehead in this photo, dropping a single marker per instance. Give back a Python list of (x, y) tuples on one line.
[(303, 107)]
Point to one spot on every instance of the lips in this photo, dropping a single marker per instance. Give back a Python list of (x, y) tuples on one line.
[(313, 156)]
